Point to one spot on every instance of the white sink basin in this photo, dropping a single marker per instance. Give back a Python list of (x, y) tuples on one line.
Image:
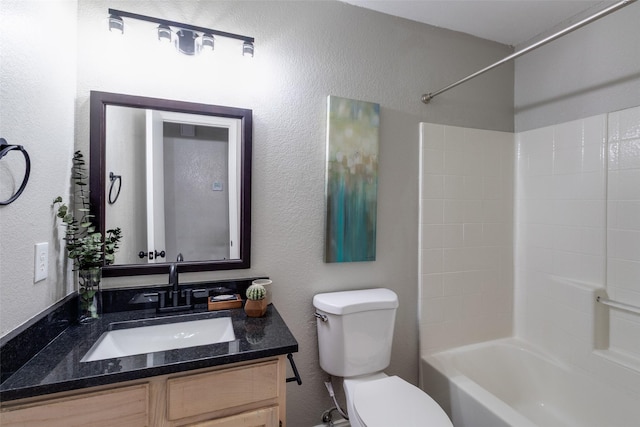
[(170, 336)]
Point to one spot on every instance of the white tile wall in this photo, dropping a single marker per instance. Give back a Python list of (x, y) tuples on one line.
[(560, 197), (578, 234), (560, 229), (466, 245), (623, 228)]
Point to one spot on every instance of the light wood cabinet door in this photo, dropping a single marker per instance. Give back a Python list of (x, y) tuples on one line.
[(266, 417), (193, 395), (122, 407)]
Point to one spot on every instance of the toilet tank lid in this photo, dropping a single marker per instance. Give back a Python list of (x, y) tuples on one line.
[(346, 302)]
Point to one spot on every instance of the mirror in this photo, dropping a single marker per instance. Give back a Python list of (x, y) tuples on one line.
[(176, 178)]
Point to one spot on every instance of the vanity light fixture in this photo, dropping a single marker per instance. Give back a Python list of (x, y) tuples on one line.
[(188, 39)]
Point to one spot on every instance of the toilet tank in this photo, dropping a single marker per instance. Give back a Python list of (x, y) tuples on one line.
[(357, 335)]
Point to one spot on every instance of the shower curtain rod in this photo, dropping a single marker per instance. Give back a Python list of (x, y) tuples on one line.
[(427, 97)]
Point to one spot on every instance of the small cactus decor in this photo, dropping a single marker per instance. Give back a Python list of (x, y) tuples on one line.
[(256, 305), (256, 292)]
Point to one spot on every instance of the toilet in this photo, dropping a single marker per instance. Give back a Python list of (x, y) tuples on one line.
[(355, 333)]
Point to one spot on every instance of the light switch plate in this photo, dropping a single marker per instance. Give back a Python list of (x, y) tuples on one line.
[(41, 262)]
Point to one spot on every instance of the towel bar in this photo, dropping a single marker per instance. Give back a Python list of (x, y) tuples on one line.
[(618, 305)]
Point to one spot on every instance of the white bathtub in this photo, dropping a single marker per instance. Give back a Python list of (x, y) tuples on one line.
[(509, 383)]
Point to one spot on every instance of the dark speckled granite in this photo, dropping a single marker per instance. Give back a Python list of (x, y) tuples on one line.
[(57, 366), (21, 344)]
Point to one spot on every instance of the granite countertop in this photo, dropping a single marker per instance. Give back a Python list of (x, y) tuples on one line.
[(57, 367)]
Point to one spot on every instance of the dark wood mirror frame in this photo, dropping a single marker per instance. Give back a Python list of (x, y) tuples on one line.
[(97, 171)]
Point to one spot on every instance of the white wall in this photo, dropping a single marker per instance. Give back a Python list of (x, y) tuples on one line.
[(37, 94), (304, 52), (466, 236)]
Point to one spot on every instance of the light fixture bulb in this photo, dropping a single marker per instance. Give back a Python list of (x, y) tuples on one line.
[(207, 42), (186, 42), (247, 49), (164, 33), (116, 24)]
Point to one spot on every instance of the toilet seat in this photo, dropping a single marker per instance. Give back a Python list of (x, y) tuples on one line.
[(392, 401)]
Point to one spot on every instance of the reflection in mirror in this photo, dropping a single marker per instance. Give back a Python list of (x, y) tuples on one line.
[(183, 182), (180, 194)]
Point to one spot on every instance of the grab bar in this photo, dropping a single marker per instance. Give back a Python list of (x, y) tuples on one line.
[(618, 305)]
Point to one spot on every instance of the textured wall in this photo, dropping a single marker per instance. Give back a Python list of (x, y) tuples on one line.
[(37, 93), (594, 70), (305, 51)]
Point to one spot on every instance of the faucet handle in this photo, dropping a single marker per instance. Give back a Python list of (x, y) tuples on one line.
[(186, 293), (162, 298), (200, 293)]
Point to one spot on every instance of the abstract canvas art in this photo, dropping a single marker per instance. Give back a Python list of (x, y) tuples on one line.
[(351, 180)]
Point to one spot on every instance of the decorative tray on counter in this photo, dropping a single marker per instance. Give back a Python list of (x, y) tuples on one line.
[(224, 302)]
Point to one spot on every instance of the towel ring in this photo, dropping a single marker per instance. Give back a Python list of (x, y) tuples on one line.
[(4, 149), (113, 178)]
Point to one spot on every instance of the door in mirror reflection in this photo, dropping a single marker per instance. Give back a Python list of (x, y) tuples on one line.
[(180, 185)]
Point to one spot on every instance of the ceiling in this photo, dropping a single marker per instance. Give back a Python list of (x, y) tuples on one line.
[(509, 22)]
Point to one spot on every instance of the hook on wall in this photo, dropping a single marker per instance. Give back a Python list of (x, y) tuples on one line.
[(5, 147), (113, 178)]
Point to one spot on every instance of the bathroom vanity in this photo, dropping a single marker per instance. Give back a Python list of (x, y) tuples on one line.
[(233, 383), (244, 394)]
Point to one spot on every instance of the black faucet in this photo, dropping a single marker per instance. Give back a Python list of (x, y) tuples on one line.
[(174, 292), (173, 276), (173, 282)]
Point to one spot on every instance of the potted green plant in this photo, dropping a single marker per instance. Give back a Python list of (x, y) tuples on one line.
[(87, 247), (256, 305)]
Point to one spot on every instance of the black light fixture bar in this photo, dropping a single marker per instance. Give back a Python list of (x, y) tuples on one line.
[(123, 14)]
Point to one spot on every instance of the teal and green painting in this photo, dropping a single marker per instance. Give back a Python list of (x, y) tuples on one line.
[(351, 180)]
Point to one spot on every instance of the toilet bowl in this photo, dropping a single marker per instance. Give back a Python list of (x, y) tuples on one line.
[(389, 401), (355, 333)]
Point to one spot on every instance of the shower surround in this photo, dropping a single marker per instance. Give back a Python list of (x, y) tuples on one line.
[(466, 236), (578, 198), (576, 221)]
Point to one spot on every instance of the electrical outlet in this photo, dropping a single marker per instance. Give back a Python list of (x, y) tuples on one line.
[(41, 262)]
